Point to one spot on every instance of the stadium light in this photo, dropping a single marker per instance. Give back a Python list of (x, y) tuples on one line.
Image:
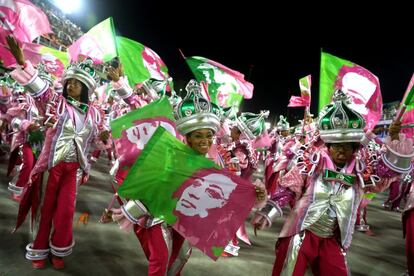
[(67, 6), (268, 125)]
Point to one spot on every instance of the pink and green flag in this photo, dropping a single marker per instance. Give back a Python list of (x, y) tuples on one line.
[(204, 203), (23, 20), (356, 81), (305, 93), (140, 62), (408, 101), (98, 43), (55, 61), (132, 131), (226, 87)]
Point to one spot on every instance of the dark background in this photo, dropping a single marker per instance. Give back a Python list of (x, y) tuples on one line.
[(272, 43)]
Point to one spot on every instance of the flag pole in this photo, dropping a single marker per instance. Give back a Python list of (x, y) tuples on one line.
[(181, 52)]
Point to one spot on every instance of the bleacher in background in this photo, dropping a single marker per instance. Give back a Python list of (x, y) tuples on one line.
[(65, 32)]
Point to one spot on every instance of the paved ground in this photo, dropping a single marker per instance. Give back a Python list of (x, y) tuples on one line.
[(102, 249)]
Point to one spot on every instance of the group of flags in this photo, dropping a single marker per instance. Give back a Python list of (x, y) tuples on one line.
[(27, 22), (160, 166), (225, 87)]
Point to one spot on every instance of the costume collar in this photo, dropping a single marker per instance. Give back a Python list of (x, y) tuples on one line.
[(82, 107), (344, 178)]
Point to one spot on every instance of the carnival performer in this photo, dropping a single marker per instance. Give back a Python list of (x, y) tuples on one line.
[(246, 129), (198, 120), (27, 138), (281, 136), (62, 164), (7, 86), (132, 100), (328, 188)]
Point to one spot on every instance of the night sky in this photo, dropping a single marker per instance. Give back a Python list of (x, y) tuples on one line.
[(271, 45)]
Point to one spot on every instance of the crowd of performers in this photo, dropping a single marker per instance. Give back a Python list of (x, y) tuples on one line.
[(323, 174)]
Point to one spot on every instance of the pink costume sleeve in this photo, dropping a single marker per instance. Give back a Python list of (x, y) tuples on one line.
[(125, 92), (386, 175), (28, 77), (16, 116), (294, 181)]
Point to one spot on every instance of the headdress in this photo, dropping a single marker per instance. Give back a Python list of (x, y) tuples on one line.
[(83, 72), (195, 112), (251, 124), (282, 124), (339, 123)]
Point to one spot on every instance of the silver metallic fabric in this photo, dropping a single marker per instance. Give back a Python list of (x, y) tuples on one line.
[(36, 254), (37, 86), (343, 202), (292, 254), (271, 211), (72, 142), (134, 210), (397, 162)]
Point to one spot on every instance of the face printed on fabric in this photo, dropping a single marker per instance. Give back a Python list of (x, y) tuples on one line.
[(211, 191), (153, 63), (74, 88), (200, 140), (360, 88), (223, 96), (341, 153), (140, 134)]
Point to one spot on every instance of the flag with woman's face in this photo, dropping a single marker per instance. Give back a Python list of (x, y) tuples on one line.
[(98, 43), (204, 203), (133, 130), (356, 81), (139, 62), (226, 87)]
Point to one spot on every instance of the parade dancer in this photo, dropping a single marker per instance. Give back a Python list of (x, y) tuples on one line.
[(329, 187), (155, 236), (247, 128), (166, 250), (62, 164), (281, 137), (398, 192), (6, 88), (27, 139)]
